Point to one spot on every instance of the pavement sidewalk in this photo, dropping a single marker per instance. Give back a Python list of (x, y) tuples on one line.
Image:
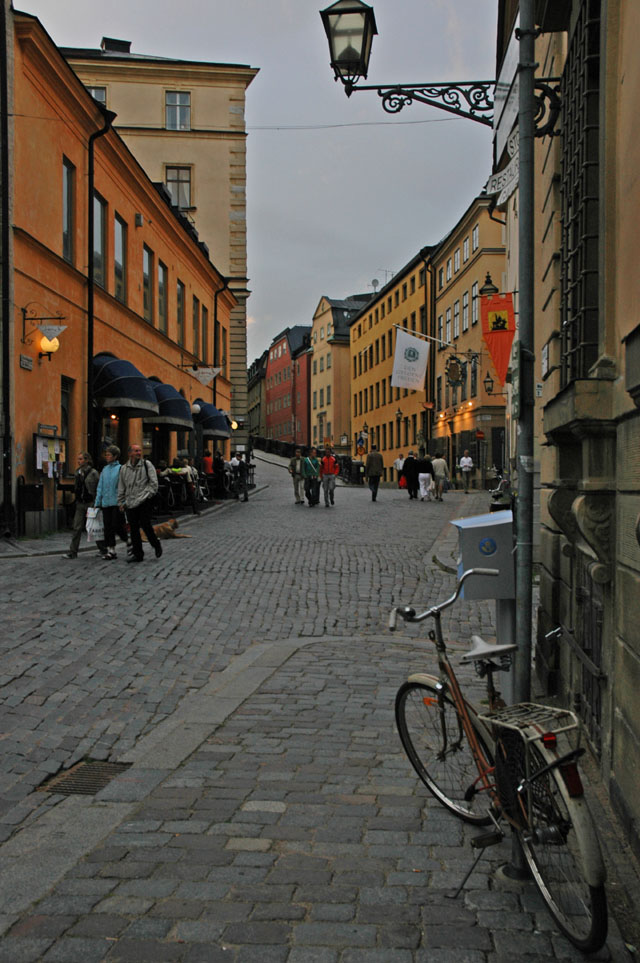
[(272, 815)]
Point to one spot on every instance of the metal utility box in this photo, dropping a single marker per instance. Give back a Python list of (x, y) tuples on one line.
[(486, 541)]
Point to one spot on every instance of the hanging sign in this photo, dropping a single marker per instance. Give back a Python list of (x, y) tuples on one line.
[(409, 361), (498, 329), (206, 375)]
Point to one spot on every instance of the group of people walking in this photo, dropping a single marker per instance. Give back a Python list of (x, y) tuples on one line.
[(122, 492), (311, 474)]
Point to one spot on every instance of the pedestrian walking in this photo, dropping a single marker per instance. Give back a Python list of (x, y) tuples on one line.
[(85, 485), (374, 469), (466, 467), (242, 475), (410, 472), (329, 468), (441, 473), (399, 465), (107, 500), (137, 488), (295, 470), (425, 477), (311, 475)]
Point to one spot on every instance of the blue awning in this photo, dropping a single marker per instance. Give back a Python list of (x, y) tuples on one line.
[(213, 423), (119, 384), (175, 410)]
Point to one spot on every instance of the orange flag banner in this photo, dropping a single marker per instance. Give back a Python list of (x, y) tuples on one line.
[(498, 330)]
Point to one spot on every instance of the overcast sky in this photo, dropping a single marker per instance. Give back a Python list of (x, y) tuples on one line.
[(339, 192)]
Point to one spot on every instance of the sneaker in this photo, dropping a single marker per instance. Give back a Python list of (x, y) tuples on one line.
[(158, 549), (69, 555)]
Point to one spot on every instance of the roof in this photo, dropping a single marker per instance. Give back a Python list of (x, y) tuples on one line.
[(121, 50)]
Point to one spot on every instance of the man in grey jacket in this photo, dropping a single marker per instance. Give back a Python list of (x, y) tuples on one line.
[(137, 487)]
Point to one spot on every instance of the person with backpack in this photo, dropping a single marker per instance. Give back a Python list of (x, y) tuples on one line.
[(137, 489), (85, 485)]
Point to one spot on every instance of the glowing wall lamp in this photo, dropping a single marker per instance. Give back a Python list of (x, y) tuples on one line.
[(48, 346)]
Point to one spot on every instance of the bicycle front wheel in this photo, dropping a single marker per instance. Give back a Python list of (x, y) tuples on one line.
[(556, 846), (435, 742)]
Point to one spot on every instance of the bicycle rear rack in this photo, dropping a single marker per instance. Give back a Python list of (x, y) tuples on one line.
[(530, 716)]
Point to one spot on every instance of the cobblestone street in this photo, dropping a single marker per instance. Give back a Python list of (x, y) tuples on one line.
[(269, 812)]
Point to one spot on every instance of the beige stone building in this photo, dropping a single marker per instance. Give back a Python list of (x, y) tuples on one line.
[(467, 416), (329, 378), (587, 367), (184, 122)]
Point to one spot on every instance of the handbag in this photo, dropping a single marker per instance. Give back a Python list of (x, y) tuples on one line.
[(94, 525), (402, 482)]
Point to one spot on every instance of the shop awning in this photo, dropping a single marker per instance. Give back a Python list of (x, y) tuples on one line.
[(119, 384), (175, 410), (213, 422)]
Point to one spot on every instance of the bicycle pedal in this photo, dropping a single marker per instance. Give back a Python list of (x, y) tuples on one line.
[(487, 839)]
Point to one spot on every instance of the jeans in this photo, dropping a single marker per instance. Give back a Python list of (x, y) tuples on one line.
[(329, 487), (312, 490), (114, 524), (140, 518)]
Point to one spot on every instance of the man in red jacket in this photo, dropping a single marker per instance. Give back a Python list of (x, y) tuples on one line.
[(329, 468)]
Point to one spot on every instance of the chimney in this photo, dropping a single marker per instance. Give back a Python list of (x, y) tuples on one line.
[(110, 45)]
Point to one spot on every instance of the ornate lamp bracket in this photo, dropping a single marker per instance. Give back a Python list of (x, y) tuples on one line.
[(472, 99)]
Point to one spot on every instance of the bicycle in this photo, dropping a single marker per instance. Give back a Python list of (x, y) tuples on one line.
[(508, 763)]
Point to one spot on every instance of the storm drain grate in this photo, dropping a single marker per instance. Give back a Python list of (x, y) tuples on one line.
[(85, 778)]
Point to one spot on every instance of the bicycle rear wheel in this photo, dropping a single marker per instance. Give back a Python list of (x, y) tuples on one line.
[(556, 847), (435, 742)]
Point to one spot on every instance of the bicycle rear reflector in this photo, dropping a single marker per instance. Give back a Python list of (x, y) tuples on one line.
[(428, 701), (549, 740)]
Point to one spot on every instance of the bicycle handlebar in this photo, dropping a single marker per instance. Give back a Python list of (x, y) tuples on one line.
[(409, 614)]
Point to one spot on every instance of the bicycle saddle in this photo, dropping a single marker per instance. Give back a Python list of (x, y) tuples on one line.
[(486, 650)]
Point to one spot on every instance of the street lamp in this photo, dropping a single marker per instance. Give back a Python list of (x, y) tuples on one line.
[(488, 383), (350, 27), (488, 289)]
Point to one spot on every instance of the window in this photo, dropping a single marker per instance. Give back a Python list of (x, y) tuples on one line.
[(448, 326), (204, 353), (474, 303), (440, 332), (147, 291), (322, 334), (456, 259), (439, 392), (315, 399), (474, 378), (99, 240), (465, 311), (178, 180), (413, 320), (475, 238), (441, 278), (328, 359), (178, 110), (68, 204), (404, 291), (180, 311), (120, 258), (322, 363), (99, 94), (196, 327), (423, 319), (396, 297), (463, 386), (315, 366), (163, 281), (328, 394), (449, 269), (322, 397), (456, 319), (465, 249), (412, 284)]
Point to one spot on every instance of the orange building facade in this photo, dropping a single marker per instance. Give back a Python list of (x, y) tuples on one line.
[(157, 303)]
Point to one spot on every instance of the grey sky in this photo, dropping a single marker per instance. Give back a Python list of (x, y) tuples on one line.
[(339, 192)]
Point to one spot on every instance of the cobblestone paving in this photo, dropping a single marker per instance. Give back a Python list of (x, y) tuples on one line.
[(296, 831)]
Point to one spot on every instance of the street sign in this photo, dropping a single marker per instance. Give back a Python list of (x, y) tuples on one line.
[(360, 450), (480, 435)]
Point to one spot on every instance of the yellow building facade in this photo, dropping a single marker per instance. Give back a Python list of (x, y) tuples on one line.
[(184, 122), (466, 415), (393, 419)]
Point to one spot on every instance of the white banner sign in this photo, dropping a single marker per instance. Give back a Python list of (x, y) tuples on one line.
[(409, 361)]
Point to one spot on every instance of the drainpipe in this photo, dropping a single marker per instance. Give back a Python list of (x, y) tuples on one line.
[(109, 117), (216, 338), (5, 319), (430, 318)]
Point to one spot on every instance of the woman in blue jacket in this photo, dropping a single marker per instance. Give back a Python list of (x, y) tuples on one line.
[(107, 500)]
